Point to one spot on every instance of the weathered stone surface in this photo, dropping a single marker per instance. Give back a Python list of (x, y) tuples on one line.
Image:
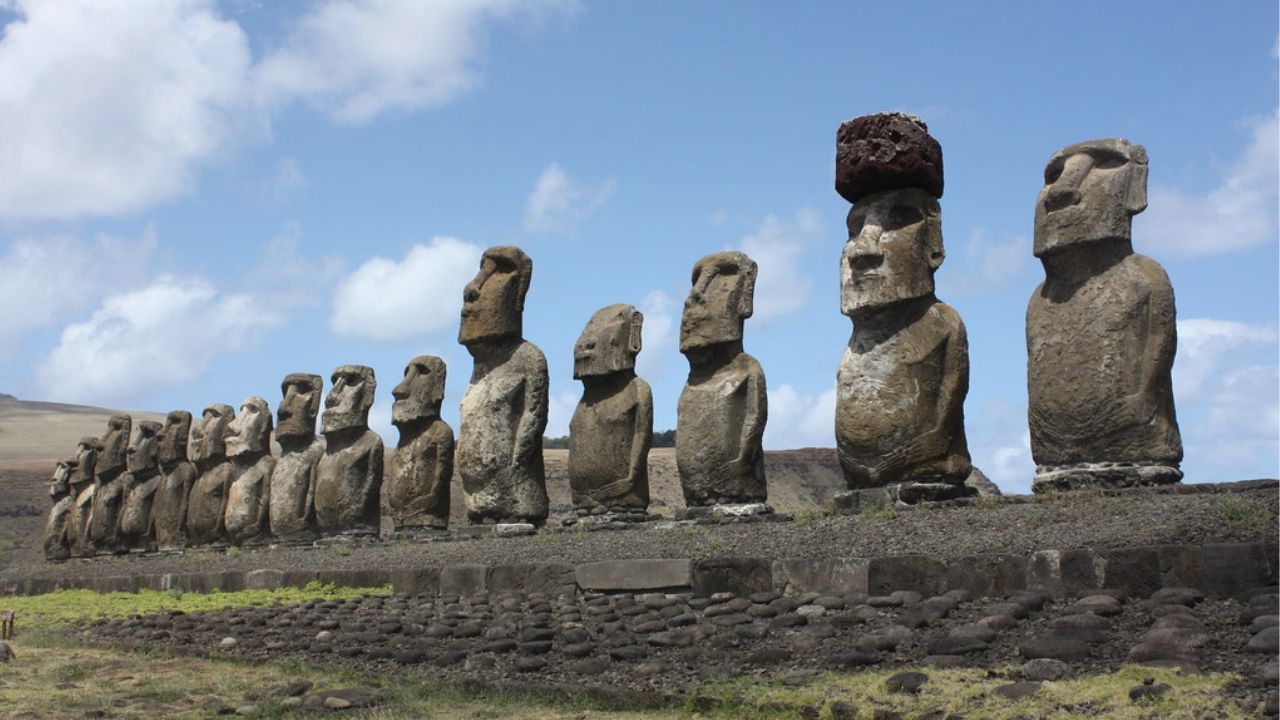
[(634, 575), (1101, 330), (829, 576), (81, 482), (139, 486), (248, 497), (723, 408), (57, 541), (463, 580), (1063, 572), (906, 572), (291, 511), (740, 576), (886, 151), (207, 502), (504, 410), (108, 492), (422, 467), (551, 579), (612, 427), (177, 476), (349, 474), (987, 575)]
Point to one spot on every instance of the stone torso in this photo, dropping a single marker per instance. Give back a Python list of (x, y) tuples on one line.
[(207, 503), (169, 505), (135, 515), (293, 491), (709, 437), (602, 436), (78, 532), (104, 520), (348, 483), (1099, 357), (57, 542), (421, 471), (247, 502)]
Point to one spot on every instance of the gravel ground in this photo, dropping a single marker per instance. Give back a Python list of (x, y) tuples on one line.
[(1188, 514)]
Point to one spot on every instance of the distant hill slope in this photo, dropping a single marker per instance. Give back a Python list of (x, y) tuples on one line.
[(36, 433)]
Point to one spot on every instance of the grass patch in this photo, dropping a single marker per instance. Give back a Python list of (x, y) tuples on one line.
[(1241, 514), (885, 513)]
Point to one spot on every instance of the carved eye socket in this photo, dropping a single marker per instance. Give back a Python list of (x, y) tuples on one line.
[(1053, 171), (902, 216), (1109, 161), (855, 225)]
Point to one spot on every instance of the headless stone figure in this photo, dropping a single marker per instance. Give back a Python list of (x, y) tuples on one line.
[(612, 428), (177, 475), (904, 375), (723, 407), (1101, 330), (422, 467), (140, 484), (248, 444), (57, 542), (108, 490), (82, 487), (349, 474), (207, 503), (504, 410), (292, 513)]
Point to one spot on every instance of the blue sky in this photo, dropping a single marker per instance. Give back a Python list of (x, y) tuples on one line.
[(197, 198)]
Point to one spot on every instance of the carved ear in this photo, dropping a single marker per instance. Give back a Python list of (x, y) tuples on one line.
[(637, 324), (1136, 200), (747, 285)]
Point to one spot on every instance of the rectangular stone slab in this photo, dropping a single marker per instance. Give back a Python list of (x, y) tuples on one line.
[(634, 574)]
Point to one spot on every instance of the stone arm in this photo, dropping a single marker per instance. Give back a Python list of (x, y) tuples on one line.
[(641, 441), (935, 442), (313, 455), (533, 421), (1157, 336), (755, 412), (377, 455)]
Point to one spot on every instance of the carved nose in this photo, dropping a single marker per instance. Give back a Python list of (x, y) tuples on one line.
[(471, 293), (864, 261), (1061, 197)]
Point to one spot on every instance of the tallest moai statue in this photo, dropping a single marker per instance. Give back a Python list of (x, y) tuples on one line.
[(1100, 329)]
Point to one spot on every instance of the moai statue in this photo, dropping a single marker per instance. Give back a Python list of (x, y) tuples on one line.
[(292, 513), (139, 485), (57, 541), (1100, 329), (422, 468), (904, 375), (349, 474), (108, 490), (82, 487), (504, 410), (207, 502), (612, 427), (723, 408), (248, 444), (177, 475)]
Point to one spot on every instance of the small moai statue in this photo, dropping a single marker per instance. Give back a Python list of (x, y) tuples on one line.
[(248, 444), (723, 408), (349, 474), (292, 514), (612, 427), (177, 475), (504, 410), (140, 484), (82, 487), (57, 541), (207, 502), (422, 468), (902, 380), (1101, 331), (108, 491)]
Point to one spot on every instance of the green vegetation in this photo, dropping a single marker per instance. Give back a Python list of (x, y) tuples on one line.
[(885, 513), (1253, 517), (661, 439)]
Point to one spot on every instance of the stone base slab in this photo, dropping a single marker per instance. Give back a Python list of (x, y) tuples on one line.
[(1103, 475)]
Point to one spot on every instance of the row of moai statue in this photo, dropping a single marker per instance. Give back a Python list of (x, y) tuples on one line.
[(1100, 346)]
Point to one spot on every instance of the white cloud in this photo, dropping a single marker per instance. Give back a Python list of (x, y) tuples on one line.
[(1203, 344), (1239, 213), (560, 407), (659, 344), (162, 335), (386, 301), (112, 107), (286, 277), (558, 202), (986, 264), (1011, 466), (781, 287), (45, 280), (800, 420), (288, 181)]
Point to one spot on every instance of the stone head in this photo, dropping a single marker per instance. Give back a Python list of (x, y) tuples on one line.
[(493, 302), (85, 460), (1091, 192), (609, 343), (721, 298), (894, 247), (300, 407), (115, 446), (351, 394), (172, 445), (142, 452), (250, 431), (60, 483), (420, 393), (208, 446)]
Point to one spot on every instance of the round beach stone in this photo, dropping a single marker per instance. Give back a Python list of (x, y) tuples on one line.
[(1266, 640), (1056, 648), (1041, 669)]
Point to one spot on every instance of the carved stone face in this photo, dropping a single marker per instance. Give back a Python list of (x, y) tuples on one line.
[(250, 432), (1091, 192), (142, 453), (721, 298), (609, 343), (300, 406), (419, 394), (493, 302), (208, 435), (350, 397), (894, 247), (172, 444), (115, 446), (86, 458), (60, 483)]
